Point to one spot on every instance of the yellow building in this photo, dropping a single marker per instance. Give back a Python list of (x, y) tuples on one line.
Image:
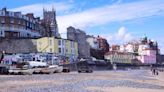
[(58, 46)]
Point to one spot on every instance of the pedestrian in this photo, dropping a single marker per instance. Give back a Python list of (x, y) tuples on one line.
[(153, 71), (2, 56), (156, 72)]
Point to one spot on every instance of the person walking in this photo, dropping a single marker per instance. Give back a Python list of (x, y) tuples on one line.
[(2, 56), (153, 71)]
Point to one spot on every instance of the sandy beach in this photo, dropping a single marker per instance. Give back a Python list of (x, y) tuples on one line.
[(98, 81)]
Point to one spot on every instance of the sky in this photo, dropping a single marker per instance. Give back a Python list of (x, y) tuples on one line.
[(119, 21)]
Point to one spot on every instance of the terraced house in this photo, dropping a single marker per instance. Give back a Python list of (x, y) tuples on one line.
[(15, 25), (58, 46), (18, 25)]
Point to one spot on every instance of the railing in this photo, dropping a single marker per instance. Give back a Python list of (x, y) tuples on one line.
[(15, 29)]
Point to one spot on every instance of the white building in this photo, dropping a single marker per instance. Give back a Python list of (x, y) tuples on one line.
[(93, 42), (127, 48)]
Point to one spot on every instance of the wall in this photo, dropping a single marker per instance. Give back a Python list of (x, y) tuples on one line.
[(18, 45)]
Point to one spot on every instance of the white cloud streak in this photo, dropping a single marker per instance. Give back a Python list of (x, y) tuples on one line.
[(111, 13), (37, 9), (100, 15)]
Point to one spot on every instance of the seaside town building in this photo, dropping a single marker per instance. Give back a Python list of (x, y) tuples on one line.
[(35, 35), (147, 56), (119, 57), (93, 42), (80, 37), (103, 44), (127, 48), (58, 46), (16, 25), (144, 50), (50, 23), (115, 48), (147, 51), (160, 59), (98, 46), (42, 36)]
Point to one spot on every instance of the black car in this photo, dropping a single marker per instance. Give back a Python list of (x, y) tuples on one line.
[(85, 70), (4, 69), (83, 67)]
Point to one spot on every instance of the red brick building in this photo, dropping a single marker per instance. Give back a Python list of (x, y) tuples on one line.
[(103, 44)]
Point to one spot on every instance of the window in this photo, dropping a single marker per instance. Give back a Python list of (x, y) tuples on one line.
[(72, 51), (59, 50), (63, 50), (11, 14), (63, 42), (2, 20), (19, 22), (72, 45), (59, 42), (50, 41), (50, 49), (28, 24), (24, 23), (1, 33), (11, 20), (2, 13)]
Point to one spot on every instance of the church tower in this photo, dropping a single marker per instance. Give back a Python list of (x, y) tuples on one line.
[(49, 18)]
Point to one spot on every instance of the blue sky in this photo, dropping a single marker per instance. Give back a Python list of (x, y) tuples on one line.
[(117, 20)]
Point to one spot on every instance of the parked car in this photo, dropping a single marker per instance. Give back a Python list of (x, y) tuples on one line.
[(66, 69), (83, 66), (85, 70), (4, 69)]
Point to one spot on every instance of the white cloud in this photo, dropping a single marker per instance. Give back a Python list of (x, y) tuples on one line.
[(37, 9), (121, 36), (111, 13), (99, 15)]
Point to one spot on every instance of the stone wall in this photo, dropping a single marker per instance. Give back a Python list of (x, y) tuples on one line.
[(18, 45)]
